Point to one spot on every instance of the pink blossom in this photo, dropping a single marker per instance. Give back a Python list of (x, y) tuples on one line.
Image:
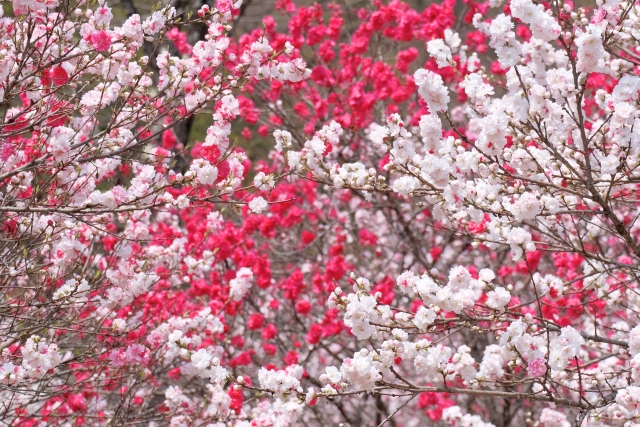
[(101, 41), (537, 367)]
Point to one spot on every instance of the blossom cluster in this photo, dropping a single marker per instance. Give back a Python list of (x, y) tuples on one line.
[(446, 224)]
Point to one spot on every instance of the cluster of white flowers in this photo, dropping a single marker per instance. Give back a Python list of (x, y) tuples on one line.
[(432, 89), (205, 172), (282, 381), (11, 374), (498, 298), (292, 71), (476, 89), (240, 286), (311, 156), (127, 283), (360, 312), (283, 139), (431, 132), (541, 22), (285, 413), (461, 291), (440, 51), (205, 364), (434, 362), (520, 241), (525, 207), (263, 181), (60, 142), (175, 336), (102, 96), (360, 371), (456, 417), (628, 400), (503, 39), (552, 418), (38, 358), (634, 340), (258, 205), (564, 348), (354, 175), (591, 53), (175, 398), (73, 291)]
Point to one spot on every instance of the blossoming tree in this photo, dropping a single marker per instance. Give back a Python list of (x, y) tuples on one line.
[(445, 231)]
